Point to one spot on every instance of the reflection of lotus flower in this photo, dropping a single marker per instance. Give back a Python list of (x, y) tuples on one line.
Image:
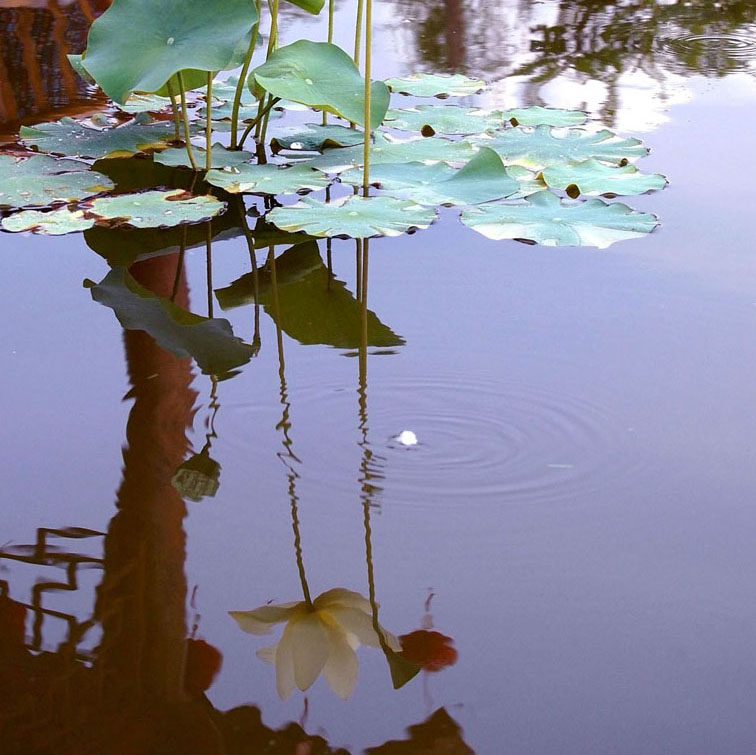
[(431, 650), (318, 637)]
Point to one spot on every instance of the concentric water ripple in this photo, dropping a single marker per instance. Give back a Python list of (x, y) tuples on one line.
[(711, 53), (482, 441)]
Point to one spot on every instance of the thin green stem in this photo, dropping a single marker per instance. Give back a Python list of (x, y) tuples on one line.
[(358, 33), (174, 112), (209, 267), (243, 78), (272, 44), (367, 130), (330, 41), (271, 103), (208, 122), (185, 118)]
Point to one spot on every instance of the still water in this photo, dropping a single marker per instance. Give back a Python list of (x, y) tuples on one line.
[(576, 515)]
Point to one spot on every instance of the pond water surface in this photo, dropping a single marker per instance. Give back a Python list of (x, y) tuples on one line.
[(577, 513)]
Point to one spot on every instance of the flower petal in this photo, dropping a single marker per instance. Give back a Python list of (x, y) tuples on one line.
[(261, 620), (340, 669), (342, 597), (309, 649), (360, 625), (285, 662), (268, 654)]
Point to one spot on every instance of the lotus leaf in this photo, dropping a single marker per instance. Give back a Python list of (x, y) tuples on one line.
[(444, 119), (145, 103), (544, 116), (137, 45), (54, 223), (436, 85), (316, 138), (155, 209), (75, 61), (430, 150), (323, 76), (191, 78), (483, 179), (219, 155), (71, 138), (211, 341), (225, 111), (551, 221), (225, 91), (356, 217), (41, 180), (311, 6), (542, 147), (594, 177), (267, 179)]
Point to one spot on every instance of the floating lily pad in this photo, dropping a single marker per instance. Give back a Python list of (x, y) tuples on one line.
[(137, 45), (483, 179), (54, 223), (595, 177), (436, 85), (444, 119), (356, 217), (155, 209), (41, 180), (267, 179), (145, 103), (323, 76), (314, 137), (220, 156), (71, 138), (542, 147), (211, 341), (548, 220), (225, 91), (544, 116), (225, 110)]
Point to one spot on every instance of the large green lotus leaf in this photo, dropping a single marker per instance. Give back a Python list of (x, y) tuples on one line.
[(436, 85), (41, 180), (220, 157), (54, 223), (355, 217), (551, 221), (155, 209), (323, 76), (267, 179), (137, 45), (210, 341), (313, 306), (544, 116), (71, 138), (595, 177), (314, 137), (444, 119), (192, 79), (430, 150), (483, 179), (145, 103), (75, 61), (311, 6), (542, 147)]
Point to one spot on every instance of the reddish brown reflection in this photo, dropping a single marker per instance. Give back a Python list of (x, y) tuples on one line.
[(431, 650), (440, 733)]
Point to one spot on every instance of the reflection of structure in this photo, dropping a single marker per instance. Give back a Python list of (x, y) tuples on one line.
[(35, 76)]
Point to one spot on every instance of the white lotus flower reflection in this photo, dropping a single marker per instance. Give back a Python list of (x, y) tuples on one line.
[(318, 637)]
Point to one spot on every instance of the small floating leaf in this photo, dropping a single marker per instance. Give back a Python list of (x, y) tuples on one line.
[(71, 138), (544, 116), (211, 341), (225, 111), (548, 220), (154, 209), (54, 223), (315, 138), (41, 180), (145, 103), (267, 179), (220, 156), (321, 75), (594, 177), (444, 119), (436, 85), (356, 217)]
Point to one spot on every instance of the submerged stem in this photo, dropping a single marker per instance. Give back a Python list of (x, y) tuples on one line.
[(367, 129), (243, 78), (185, 118)]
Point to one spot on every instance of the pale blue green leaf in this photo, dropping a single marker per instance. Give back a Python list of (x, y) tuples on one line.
[(594, 177), (267, 179), (54, 223), (436, 85)]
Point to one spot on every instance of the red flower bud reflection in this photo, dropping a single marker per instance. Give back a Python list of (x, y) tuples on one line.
[(431, 650), (203, 662)]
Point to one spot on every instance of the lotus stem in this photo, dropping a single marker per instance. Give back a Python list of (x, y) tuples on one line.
[(272, 44), (209, 265), (243, 78), (208, 122), (174, 112), (179, 264), (271, 103), (358, 34), (330, 41), (185, 118), (367, 129)]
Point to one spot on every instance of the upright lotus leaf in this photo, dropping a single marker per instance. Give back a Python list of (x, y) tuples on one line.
[(444, 119), (542, 147), (55, 223), (483, 179), (311, 6), (313, 306), (355, 217), (548, 220), (594, 177), (41, 180), (145, 103), (210, 341), (544, 116), (75, 61), (220, 157), (323, 76), (267, 179), (314, 137), (191, 78), (436, 85), (430, 150), (73, 139), (137, 45), (155, 209)]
